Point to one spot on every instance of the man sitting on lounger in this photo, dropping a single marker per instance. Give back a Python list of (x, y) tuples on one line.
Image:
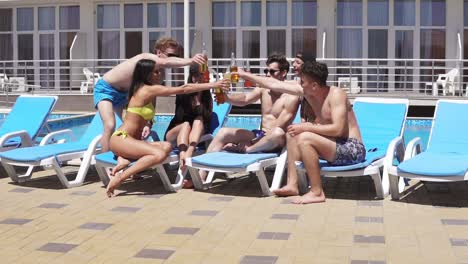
[(334, 136), (278, 111)]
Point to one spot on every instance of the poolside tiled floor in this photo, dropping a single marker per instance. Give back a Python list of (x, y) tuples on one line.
[(40, 222)]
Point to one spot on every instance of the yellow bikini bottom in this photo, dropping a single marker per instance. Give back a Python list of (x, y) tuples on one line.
[(118, 133)]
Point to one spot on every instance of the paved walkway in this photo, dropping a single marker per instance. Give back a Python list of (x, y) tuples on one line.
[(40, 222)]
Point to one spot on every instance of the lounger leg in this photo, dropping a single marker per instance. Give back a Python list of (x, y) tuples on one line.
[(279, 172), (396, 186), (10, 170), (263, 183), (101, 170), (209, 177), (179, 179), (378, 185), (165, 179), (196, 179), (63, 179)]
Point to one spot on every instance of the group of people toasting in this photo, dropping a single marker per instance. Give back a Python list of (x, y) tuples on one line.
[(328, 130)]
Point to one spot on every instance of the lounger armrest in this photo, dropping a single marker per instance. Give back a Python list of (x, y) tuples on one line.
[(396, 148), (50, 136), (414, 148), (93, 146), (26, 140)]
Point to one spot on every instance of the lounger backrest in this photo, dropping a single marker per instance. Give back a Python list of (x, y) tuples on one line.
[(449, 131), (219, 117), (95, 128), (29, 113), (380, 120)]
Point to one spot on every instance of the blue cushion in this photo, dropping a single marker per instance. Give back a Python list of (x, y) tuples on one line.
[(230, 160), (370, 157), (38, 153), (436, 164), (379, 123), (28, 113), (450, 126)]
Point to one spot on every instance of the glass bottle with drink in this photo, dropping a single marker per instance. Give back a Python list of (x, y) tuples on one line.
[(204, 67), (220, 96), (233, 69)]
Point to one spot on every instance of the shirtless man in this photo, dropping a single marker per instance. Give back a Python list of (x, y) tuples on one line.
[(278, 111), (110, 93), (334, 136)]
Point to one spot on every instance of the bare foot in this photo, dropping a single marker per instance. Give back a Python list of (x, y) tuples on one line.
[(286, 191), (121, 164), (310, 197), (114, 183), (187, 184)]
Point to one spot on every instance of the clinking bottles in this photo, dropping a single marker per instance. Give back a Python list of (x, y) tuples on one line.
[(233, 69), (220, 97), (204, 67)]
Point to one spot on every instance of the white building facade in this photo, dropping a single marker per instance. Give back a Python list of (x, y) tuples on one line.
[(394, 29)]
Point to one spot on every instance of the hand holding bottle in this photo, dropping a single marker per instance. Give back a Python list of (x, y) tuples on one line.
[(199, 59), (220, 86)]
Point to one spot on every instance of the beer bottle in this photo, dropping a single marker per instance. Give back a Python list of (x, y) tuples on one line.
[(233, 69)]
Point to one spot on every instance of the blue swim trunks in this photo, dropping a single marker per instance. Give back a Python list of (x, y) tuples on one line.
[(258, 134), (104, 91)]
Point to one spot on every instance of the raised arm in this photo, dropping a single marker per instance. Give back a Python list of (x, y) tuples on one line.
[(160, 90), (173, 62), (243, 99), (271, 83)]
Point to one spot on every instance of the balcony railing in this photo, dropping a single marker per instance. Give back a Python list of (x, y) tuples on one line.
[(394, 77)]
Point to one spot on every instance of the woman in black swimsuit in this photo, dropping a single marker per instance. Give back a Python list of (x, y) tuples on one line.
[(192, 120)]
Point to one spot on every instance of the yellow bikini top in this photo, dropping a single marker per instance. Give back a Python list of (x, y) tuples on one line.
[(146, 112)]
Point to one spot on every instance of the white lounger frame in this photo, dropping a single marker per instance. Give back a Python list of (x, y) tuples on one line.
[(414, 148)]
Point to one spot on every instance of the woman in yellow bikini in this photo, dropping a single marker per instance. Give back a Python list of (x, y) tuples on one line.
[(126, 141)]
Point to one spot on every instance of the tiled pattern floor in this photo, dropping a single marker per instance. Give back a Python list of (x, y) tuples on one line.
[(40, 222)]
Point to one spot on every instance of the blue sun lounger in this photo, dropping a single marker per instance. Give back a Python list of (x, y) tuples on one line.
[(53, 155), (446, 155), (228, 162), (25, 121), (380, 121), (108, 160)]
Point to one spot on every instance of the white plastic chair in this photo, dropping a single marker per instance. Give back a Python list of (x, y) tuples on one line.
[(3, 81), (91, 80), (449, 82)]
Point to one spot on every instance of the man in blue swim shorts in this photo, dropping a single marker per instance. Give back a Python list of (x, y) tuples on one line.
[(110, 93)]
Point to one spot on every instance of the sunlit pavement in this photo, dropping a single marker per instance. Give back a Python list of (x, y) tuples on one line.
[(41, 222)]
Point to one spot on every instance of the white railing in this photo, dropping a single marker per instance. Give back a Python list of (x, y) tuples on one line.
[(395, 77)]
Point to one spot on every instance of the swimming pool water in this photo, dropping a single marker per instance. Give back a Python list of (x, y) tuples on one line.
[(413, 128)]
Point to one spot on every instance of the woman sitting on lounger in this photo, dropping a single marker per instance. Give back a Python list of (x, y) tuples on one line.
[(192, 120), (126, 141)]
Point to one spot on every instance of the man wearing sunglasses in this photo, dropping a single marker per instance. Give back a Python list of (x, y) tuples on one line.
[(333, 136), (278, 111), (110, 93)]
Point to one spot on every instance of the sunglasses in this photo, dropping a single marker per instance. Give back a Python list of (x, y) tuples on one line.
[(271, 71), (171, 55)]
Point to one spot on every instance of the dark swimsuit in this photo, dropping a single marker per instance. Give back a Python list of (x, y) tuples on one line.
[(186, 113)]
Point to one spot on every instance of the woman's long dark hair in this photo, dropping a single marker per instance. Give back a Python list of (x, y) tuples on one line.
[(141, 75), (185, 100)]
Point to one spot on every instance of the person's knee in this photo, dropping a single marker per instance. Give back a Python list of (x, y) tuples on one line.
[(166, 147), (278, 135), (307, 138), (186, 125)]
